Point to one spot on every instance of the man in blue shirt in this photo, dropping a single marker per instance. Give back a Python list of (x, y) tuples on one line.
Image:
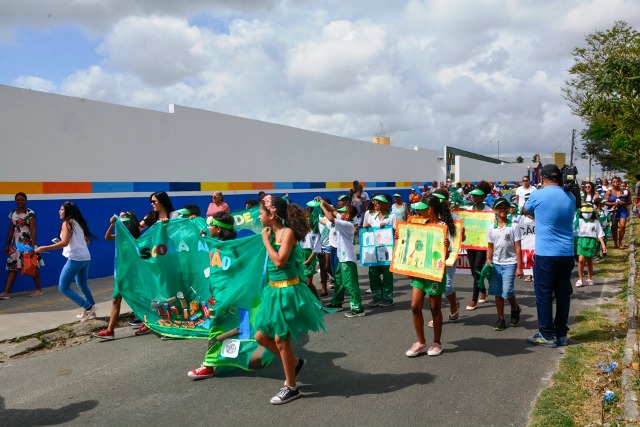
[(554, 210)]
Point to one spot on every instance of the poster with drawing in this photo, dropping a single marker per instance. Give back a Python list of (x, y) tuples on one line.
[(476, 224), (419, 250), (455, 244), (376, 246)]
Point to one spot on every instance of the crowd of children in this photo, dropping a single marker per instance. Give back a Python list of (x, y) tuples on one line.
[(321, 238)]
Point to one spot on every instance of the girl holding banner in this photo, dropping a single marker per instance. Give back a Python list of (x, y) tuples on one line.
[(429, 208), (478, 257), (450, 291)]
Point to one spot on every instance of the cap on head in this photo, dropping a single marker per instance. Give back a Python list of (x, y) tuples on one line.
[(500, 201), (343, 209), (343, 197), (397, 195), (551, 172), (477, 192), (313, 203)]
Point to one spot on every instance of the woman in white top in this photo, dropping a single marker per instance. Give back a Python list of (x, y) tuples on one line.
[(74, 237)]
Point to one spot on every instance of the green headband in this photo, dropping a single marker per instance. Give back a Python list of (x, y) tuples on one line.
[(211, 221)]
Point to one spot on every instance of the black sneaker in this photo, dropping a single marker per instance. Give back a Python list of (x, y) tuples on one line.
[(300, 365), (334, 307), (501, 325), (515, 316), (286, 394), (135, 322)]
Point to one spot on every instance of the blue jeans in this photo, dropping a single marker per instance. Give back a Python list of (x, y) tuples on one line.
[(552, 276), (450, 272), (78, 270), (501, 280)]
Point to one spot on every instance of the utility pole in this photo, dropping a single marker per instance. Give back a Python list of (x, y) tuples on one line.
[(590, 179), (573, 146)]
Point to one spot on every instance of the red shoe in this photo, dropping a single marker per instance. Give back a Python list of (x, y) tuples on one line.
[(143, 330), (202, 372), (104, 334)]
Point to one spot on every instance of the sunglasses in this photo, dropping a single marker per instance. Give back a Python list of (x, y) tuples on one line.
[(153, 202)]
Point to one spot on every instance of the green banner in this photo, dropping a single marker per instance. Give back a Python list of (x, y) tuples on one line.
[(247, 221), (184, 284)]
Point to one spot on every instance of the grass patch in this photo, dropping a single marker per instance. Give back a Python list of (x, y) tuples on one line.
[(576, 397)]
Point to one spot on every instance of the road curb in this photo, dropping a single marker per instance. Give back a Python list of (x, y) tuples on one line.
[(631, 344)]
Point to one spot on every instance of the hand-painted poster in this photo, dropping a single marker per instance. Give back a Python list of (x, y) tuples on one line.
[(455, 244), (376, 246), (476, 224), (528, 244), (419, 250)]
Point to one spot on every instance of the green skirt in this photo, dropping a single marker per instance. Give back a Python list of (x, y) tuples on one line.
[(587, 246), (290, 310)]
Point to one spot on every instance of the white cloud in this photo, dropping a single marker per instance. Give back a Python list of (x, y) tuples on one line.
[(434, 72), (35, 83)]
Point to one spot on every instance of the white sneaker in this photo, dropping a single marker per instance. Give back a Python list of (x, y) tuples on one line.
[(435, 349), (416, 349), (89, 313), (81, 315)]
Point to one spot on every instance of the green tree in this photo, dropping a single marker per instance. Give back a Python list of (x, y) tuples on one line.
[(604, 91), (519, 159)]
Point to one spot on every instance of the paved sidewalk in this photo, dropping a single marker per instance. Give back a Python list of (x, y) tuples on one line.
[(23, 315)]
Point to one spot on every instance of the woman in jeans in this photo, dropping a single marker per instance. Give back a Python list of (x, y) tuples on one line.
[(74, 238)]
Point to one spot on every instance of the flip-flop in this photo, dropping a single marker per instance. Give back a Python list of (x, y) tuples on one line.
[(5, 297), (453, 317), (36, 294), (430, 324), (471, 307)]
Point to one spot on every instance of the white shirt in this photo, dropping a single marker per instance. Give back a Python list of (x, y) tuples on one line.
[(521, 192), (344, 233), (504, 243), (376, 220), (77, 249), (590, 229), (312, 241)]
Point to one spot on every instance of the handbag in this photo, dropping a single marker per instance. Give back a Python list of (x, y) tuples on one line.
[(29, 263)]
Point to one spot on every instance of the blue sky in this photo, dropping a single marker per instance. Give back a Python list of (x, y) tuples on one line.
[(52, 54), (464, 73)]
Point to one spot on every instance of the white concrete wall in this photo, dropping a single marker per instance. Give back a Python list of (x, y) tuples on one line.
[(469, 170), (74, 139)]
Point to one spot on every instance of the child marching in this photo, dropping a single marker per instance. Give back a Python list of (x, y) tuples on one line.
[(505, 256), (288, 306), (589, 233)]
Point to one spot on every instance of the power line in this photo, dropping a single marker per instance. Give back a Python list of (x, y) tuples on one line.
[(558, 146)]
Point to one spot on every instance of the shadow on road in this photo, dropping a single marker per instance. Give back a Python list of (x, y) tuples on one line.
[(44, 416)]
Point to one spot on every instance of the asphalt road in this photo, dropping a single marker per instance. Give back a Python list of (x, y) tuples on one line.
[(357, 374)]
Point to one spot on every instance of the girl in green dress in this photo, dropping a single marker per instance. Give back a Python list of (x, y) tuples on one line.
[(288, 306)]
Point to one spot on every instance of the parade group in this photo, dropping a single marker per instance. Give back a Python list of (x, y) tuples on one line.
[(318, 236)]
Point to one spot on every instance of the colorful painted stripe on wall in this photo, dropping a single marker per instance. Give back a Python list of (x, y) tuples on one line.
[(149, 187)]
